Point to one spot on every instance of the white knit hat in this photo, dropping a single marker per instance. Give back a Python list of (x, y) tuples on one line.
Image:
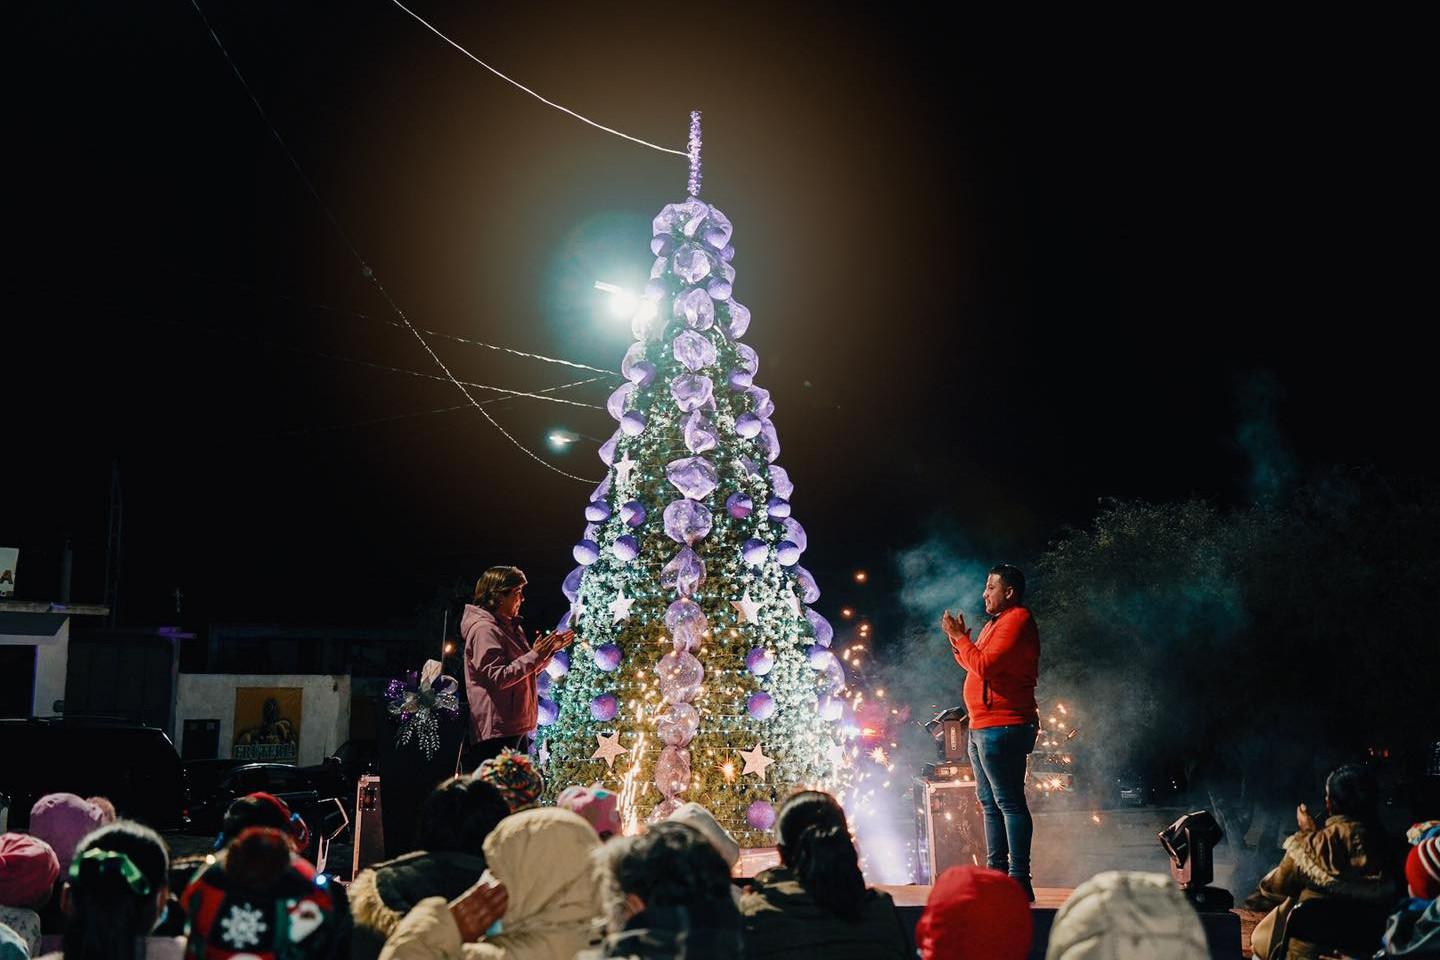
[(694, 815), (1127, 915)]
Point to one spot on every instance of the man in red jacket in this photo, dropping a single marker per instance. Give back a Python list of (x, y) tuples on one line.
[(1001, 668)]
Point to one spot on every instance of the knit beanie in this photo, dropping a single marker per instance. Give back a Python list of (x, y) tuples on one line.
[(1127, 915), (63, 820), (1423, 830), (28, 870), (515, 776), (694, 815), (262, 900), (975, 914), (1422, 869), (596, 805)]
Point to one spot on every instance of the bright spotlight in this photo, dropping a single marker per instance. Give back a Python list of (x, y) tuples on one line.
[(561, 439), (622, 301)]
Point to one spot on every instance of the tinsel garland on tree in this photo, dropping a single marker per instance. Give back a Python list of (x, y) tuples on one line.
[(694, 641)]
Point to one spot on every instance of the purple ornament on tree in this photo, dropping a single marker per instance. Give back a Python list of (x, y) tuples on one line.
[(747, 425), (571, 586), (755, 552), (691, 391), (625, 548), (777, 507), (794, 532), (820, 627), (662, 246), (597, 511), (809, 590), (672, 771), (687, 625), (586, 552), (749, 359), (633, 513), (818, 656), (760, 402), (716, 230), (607, 657), (738, 505), (604, 707), (680, 676), (559, 664), (719, 289), (738, 319), (780, 482), (684, 573), (607, 449), (760, 706), (760, 815), (633, 423), (695, 477), (787, 553), (686, 521), (563, 623), (699, 434), (547, 712), (634, 355), (728, 253), (739, 380), (696, 308), (769, 441), (616, 404), (693, 351), (834, 676), (678, 724), (759, 661), (643, 374), (691, 263), (602, 489), (542, 683)]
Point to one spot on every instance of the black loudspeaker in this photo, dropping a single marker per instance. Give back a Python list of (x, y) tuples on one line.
[(369, 831), (949, 825)]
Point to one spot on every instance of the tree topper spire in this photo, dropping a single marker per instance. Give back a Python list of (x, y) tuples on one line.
[(694, 152)]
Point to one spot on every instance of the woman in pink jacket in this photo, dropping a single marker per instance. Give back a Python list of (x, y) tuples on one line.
[(500, 666)]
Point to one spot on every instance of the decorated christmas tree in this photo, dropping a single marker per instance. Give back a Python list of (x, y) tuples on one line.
[(699, 672)]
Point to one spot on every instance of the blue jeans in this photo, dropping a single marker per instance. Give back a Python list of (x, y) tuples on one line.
[(997, 755)]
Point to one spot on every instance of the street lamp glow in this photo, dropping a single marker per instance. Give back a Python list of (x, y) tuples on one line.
[(622, 301), (561, 439)]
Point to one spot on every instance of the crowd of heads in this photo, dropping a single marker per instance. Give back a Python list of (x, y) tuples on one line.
[(566, 876)]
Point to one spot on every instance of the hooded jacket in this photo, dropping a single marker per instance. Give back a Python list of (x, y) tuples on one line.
[(673, 933), (381, 896), (975, 914), (500, 670), (1002, 667), (782, 920), (543, 857), (1123, 914)]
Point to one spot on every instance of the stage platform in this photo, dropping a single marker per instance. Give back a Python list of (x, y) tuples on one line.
[(1222, 930)]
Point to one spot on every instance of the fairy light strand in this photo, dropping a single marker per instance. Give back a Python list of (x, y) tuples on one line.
[(520, 86)]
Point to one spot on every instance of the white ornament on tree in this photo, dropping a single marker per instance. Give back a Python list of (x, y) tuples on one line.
[(623, 466), (608, 749), (755, 761), (748, 609), (620, 607)]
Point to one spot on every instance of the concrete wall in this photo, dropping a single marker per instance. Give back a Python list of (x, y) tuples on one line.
[(51, 640), (325, 708)]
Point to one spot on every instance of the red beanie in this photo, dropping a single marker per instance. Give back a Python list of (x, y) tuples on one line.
[(28, 870), (974, 913), (1422, 869)]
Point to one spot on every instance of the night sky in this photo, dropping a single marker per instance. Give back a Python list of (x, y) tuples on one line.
[(998, 271)]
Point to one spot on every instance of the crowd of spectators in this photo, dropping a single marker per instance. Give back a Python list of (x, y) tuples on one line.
[(500, 877)]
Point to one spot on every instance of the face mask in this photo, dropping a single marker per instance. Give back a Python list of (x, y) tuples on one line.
[(495, 929)]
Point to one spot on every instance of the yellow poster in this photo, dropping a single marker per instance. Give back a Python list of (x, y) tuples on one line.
[(267, 724)]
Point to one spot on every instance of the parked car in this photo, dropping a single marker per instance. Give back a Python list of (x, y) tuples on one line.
[(315, 793), (136, 766)]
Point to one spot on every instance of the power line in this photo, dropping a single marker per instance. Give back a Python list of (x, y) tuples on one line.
[(549, 103), (337, 311), (365, 268)]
